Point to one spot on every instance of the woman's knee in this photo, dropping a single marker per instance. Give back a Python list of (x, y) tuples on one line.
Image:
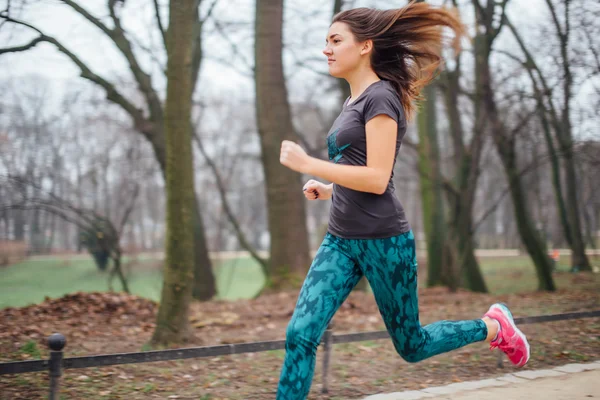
[(409, 352), (411, 356), (298, 334)]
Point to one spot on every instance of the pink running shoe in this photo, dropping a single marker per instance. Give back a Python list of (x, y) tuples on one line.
[(510, 339)]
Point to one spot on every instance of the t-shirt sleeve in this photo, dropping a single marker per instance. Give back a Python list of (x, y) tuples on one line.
[(383, 102)]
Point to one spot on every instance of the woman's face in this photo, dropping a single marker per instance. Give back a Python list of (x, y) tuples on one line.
[(342, 50)]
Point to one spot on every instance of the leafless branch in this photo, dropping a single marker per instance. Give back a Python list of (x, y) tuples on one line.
[(593, 49), (86, 14), (497, 31), (117, 35), (235, 49), (161, 28), (223, 194), (559, 29), (25, 47), (112, 93), (210, 11), (129, 208), (151, 54)]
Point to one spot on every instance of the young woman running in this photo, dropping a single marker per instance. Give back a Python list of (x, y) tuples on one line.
[(386, 56)]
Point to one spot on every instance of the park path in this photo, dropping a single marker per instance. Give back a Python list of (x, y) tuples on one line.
[(568, 382), (583, 385)]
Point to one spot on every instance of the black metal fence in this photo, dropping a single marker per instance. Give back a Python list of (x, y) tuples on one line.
[(57, 363)]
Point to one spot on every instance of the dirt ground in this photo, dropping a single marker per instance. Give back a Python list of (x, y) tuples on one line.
[(100, 323)]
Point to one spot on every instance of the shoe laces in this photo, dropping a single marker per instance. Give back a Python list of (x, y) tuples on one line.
[(498, 342), (502, 344)]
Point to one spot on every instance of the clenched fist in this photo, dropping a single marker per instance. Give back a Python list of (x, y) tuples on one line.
[(294, 157), (314, 190)]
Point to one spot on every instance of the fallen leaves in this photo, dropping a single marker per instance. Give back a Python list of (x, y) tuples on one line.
[(99, 323)]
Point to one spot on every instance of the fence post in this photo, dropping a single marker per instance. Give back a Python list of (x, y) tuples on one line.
[(56, 342), (500, 359), (327, 344)]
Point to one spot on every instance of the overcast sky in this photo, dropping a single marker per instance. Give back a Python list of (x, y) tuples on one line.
[(222, 71), (92, 46)]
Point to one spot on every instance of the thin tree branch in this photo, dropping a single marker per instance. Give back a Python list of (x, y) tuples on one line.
[(592, 49), (210, 11), (86, 14), (128, 209), (534, 164), (502, 14), (150, 53), (117, 35), (530, 63), (112, 93), (559, 30), (223, 194), (234, 47), (161, 28), (25, 47)]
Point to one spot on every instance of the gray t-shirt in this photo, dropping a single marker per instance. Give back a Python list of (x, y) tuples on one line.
[(361, 215)]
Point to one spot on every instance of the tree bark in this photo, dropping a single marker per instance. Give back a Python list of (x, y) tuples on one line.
[(461, 267), (172, 323), (287, 216), (434, 223), (466, 271)]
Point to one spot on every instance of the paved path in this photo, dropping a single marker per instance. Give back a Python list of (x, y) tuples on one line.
[(568, 382)]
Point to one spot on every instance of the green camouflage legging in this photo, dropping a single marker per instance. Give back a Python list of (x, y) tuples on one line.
[(390, 265)]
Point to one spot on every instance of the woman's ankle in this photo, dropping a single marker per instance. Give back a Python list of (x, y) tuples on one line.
[(493, 327)]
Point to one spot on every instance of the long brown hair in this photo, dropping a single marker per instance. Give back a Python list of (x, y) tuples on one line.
[(407, 43)]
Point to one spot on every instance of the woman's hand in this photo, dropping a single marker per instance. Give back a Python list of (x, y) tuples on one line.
[(314, 190), (294, 157)]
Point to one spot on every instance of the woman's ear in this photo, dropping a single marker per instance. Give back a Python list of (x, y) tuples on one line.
[(367, 47)]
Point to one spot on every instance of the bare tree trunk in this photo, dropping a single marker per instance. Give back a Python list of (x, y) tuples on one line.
[(461, 267), (18, 220), (430, 175), (466, 272), (568, 206), (579, 260), (506, 147), (287, 217), (172, 324), (546, 126)]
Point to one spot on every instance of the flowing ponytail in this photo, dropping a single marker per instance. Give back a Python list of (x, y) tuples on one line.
[(407, 44)]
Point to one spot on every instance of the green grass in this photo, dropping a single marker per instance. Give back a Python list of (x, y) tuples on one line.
[(29, 282), (31, 349)]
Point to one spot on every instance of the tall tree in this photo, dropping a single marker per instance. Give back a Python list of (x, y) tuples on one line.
[(287, 216), (558, 121), (430, 178), (505, 140), (548, 119), (172, 323), (564, 135), (450, 232), (148, 120)]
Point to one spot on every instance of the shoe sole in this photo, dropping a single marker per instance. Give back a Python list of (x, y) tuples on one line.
[(504, 309)]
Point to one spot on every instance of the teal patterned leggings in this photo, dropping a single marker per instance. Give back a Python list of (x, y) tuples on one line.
[(390, 265)]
